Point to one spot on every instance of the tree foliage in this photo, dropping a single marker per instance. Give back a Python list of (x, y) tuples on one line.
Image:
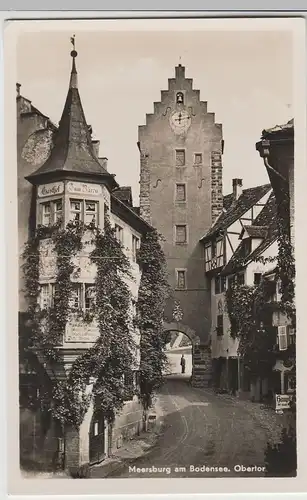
[(152, 296)]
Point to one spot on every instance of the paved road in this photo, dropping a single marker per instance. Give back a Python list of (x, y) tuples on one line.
[(201, 430)]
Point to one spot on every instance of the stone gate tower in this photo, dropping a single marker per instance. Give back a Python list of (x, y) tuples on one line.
[(181, 195)]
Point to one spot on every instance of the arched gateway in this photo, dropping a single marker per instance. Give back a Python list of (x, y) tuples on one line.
[(201, 355)]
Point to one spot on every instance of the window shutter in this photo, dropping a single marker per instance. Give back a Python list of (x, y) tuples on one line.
[(282, 338)]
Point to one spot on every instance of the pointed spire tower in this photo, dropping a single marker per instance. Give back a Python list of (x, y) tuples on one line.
[(73, 154)]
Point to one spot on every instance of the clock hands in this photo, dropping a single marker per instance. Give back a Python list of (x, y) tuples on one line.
[(180, 118)]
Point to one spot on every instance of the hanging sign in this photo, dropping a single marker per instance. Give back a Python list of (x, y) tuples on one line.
[(283, 401)]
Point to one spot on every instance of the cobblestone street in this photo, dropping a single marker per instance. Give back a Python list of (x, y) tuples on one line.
[(202, 429)]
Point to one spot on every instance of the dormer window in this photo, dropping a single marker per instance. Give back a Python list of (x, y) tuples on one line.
[(51, 212), (179, 98)]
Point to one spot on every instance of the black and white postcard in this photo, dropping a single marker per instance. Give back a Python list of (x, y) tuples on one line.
[(156, 170)]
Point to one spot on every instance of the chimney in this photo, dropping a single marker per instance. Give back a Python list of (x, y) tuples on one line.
[(237, 188), (18, 85), (96, 145), (103, 162)]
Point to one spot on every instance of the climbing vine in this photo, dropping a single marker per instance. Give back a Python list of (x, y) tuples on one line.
[(152, 296), (109, 361)]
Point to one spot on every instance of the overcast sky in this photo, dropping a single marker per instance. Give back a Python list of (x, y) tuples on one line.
[(246, 77)]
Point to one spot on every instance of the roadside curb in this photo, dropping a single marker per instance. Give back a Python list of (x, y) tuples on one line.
[(137, 447)]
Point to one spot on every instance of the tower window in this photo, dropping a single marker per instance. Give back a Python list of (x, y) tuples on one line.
[(181, 192), (84, 210), (89, 297), (180, 157), (198, 158), (51, 212), (90, 214), (181, 234), (181, 279), (179, 98)]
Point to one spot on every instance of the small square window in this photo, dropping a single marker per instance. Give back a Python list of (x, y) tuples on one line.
[(180, 157), (89, 297), (75, 298), (119, 233), (135, 247), (181, 234), (44, 296), (257, 278), (219, 324), (198, 159), (180, 192), (75, 209), (181, 279), (240, 279), (91, 210)]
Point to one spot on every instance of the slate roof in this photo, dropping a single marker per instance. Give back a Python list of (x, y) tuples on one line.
[(234, 209), (286, 129), (266, 219), (73, 151), (124, 193), (256, 231)]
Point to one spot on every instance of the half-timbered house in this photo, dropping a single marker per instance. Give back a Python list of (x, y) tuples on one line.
[(244, 232)]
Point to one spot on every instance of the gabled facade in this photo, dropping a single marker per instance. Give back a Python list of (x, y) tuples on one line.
[(244, 232), (62, 180)]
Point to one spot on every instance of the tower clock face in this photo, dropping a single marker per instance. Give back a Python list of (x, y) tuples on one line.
[(180, 121)]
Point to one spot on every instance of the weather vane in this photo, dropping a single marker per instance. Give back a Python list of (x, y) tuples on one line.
[(73, 52)]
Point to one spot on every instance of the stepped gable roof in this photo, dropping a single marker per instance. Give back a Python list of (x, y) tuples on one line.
[(267, 219), (234, 209), (73, 151)]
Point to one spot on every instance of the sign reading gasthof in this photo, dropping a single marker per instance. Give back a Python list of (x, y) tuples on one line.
[(83, 188), (283, 401), (50, 189), (79, 331)]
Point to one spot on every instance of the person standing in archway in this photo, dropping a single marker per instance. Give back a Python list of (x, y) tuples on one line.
[(182, 362)]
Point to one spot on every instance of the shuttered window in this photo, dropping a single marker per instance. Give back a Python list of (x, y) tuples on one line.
[(180, 192), (181, 234), (282, 338), (180, 157)]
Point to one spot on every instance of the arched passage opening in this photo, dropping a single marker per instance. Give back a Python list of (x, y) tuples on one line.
[(180, 347)]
